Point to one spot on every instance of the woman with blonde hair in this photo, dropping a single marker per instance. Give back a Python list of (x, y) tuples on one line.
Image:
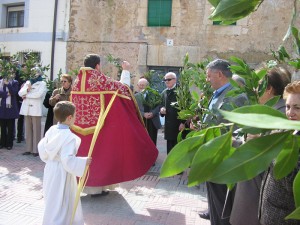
[(276, 196)]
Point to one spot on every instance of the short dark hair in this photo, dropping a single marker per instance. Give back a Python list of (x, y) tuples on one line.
[(62, 110), (278, 80), (221, 65), (91, 60)]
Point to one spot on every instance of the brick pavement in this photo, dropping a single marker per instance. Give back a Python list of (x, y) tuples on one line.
[(147, 200)]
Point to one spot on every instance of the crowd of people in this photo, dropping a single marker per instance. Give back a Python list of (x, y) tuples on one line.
[(72, 120)]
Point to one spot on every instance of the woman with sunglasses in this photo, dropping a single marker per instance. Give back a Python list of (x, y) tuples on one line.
[(63, 93)]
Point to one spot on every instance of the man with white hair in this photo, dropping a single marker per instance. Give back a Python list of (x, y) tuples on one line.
[(149, 112), (173, 125)]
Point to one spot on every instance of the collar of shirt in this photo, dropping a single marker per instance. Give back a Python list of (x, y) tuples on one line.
[(62, 126), (172, 87), (219, 91)]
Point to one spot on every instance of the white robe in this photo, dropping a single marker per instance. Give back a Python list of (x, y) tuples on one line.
[(58, 150)]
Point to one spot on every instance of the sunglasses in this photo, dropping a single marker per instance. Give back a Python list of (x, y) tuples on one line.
[(169, 79)]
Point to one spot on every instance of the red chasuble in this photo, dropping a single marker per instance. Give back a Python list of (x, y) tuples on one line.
[(123, 149)]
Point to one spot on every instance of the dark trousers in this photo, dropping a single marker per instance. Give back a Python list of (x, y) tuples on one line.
[(7, 132), (216, 194), (20, 128), (20, 125), (170, 145), (152, 131)]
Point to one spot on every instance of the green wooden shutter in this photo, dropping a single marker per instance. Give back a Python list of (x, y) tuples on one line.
[(159, 13)]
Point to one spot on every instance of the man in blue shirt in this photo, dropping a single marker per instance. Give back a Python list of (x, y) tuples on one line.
[(218, 75)]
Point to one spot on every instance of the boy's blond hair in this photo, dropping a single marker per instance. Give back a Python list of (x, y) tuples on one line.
[(62, 110)]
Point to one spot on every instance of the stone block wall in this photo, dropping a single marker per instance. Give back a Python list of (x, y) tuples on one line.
[(119, 27)]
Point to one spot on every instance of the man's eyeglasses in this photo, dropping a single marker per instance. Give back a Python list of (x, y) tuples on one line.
[(169, 79)]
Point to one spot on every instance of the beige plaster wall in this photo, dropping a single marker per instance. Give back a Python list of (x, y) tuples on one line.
[(119, 27)]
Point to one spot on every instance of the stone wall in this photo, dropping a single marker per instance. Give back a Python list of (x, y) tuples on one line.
[(119, 27)]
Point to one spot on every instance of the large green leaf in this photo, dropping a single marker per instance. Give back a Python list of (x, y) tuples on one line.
[(183, 153), (260, 109), (261, 120), (181, 156), (296, 189), (249, 160), (208, 157), (295, 214), (287, 159), (233, 10)]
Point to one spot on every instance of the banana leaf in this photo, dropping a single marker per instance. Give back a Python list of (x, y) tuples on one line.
[(250, 159)]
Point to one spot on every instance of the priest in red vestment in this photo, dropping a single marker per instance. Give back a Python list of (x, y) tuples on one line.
[(123, 150)]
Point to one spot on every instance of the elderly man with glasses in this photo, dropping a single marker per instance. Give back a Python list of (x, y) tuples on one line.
[(173, 125)]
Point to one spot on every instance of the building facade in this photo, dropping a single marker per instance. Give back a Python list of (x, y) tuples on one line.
[(158, 33), (27, 25), (150, 34)]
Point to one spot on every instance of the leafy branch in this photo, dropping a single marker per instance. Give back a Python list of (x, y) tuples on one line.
[(153, 98), (190, 103)]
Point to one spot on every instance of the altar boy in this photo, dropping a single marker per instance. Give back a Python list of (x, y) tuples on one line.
[(58, 150)]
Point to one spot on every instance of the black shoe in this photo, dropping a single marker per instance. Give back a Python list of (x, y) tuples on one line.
[(19, 140), (9, 148), (205, 215), (26, 153), (35, 154), (103, 193)]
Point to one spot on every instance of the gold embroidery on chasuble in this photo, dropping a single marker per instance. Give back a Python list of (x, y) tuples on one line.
[(88, 108), (88, 92)]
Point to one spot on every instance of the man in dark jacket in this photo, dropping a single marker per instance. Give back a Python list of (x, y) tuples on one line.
[(173, 125)]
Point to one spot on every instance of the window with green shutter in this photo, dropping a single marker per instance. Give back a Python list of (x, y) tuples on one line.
[(159, 13)]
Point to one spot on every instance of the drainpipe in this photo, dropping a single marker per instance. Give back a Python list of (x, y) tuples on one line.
[(53, 40)]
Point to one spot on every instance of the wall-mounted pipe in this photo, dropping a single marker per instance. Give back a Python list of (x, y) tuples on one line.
[(53, 40)]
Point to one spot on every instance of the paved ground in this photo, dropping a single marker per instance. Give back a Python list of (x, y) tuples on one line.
[(148, 200)]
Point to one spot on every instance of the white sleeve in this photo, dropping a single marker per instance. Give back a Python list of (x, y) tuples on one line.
[(42, 89), (71, 163), (42, 150), (125, 77), (23, 91)]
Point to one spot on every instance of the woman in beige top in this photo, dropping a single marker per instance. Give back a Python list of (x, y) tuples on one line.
[(63, 93)]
